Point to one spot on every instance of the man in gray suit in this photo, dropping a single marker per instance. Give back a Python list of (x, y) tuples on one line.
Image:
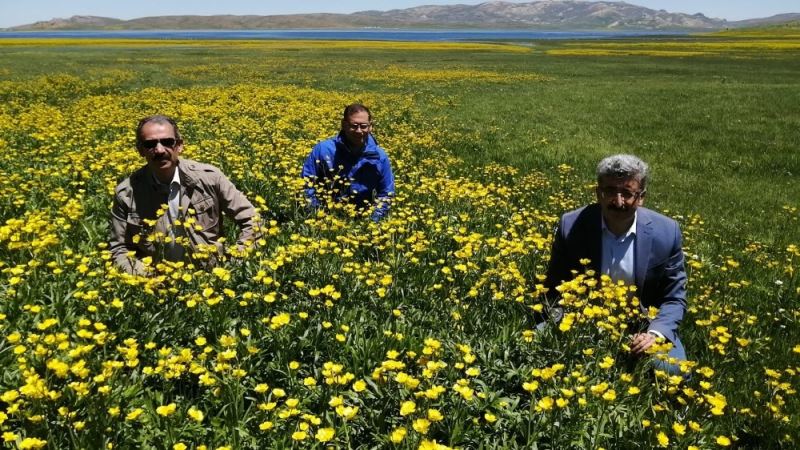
[(628, 243)]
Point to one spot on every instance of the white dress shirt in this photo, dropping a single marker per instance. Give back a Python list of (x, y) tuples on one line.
[(173, 251)]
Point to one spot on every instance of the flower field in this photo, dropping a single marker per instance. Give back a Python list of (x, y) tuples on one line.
[(333, 331)]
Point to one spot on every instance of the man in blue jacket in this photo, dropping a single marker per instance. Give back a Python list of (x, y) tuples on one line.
[(628, 243), (351, 166)]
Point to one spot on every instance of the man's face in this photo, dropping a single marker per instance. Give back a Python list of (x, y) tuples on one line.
[(356, 128), (618, 199), (161, 149)]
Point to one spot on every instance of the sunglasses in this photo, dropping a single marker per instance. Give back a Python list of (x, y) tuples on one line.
[(149, 144)]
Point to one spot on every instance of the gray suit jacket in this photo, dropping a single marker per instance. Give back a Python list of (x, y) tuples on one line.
[(659, 263)]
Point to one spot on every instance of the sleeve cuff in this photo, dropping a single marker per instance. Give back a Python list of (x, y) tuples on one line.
[(656, 334)]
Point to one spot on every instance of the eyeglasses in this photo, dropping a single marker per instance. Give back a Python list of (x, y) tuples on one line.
[(612, 193), (149, 144), (358, 126)]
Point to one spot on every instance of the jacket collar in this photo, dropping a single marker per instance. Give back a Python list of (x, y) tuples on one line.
[(187, 177), (187, 173), (370, 149)]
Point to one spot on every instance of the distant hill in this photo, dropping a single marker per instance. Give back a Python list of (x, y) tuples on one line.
[(548, 14), (779, 19)]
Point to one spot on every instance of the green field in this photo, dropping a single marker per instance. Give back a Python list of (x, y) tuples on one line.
[(490, 143)]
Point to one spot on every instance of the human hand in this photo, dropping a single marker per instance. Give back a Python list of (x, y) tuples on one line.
[(641, 342)]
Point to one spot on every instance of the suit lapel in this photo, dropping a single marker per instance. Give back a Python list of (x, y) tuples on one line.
[(592, 247), (644, 241), (596, 244)]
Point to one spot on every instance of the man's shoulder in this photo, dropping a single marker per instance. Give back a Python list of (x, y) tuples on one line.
[(134, 179), (195, 167), (655, 219), (582, 214), (328, 144), (200, 172)]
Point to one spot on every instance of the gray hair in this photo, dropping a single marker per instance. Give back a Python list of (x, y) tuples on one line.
[(623, 166)]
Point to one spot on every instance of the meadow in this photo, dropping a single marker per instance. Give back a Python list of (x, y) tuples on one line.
[(416, 332)]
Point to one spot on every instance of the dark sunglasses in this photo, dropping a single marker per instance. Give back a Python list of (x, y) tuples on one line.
[(149, 144)]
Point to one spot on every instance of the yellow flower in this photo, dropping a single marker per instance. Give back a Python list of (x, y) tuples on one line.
[(545, 403), (723, 441), (30, 443), (336, 401), (299, 435), (325, 434), (407, 408), (606, 363), (347, 412), (397, 436), (531, 387), (633, 390), (134, 414), (491, 418), (679, 428), (359, 386), (421, 425), (195, 414), (434, 415), (166, 410), (9, 396), (265, 426), (662, 438), (179, 446)]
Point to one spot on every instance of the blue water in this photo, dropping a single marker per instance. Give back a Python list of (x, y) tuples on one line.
[(361, 35)]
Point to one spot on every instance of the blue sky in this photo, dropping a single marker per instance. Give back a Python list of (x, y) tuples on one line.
[(18, 12)]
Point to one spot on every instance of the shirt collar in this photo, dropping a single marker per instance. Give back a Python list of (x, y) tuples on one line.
[(176, 178), (631, 230)]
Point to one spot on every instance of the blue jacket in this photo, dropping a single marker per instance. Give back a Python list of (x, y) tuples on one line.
[(659, 267), (369, 174)]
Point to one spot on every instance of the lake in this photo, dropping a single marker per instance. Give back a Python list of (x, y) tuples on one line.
[(381, 34)]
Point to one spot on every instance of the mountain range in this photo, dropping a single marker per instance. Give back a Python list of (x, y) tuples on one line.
[(547, 14)]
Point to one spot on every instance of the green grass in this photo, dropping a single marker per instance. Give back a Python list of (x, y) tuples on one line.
[(477, 158), (720, 133)]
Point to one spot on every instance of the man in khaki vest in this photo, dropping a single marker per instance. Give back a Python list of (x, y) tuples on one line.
[(170, 208)]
